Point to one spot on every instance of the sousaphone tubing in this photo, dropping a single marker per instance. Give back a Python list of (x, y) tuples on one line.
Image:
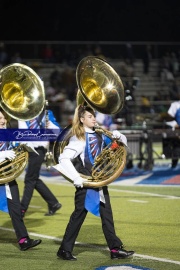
[(100, 87)]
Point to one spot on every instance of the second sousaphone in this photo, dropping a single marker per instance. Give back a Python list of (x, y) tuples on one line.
[(102, 89)]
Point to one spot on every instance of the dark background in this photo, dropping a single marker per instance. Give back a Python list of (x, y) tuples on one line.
[(90, 20)]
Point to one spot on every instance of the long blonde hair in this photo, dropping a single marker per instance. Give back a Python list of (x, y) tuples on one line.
[(77, 126)]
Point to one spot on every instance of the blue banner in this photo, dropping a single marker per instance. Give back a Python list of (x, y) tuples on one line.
[(29, 135)]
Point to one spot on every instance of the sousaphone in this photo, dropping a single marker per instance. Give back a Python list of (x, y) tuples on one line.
[(100, 87), (22, 97)]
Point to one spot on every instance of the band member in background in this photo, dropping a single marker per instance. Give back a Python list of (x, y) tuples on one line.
[(9, 195), (84, 145), (174, 121), (32, 181)]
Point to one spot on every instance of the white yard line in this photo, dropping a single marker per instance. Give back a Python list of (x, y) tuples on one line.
[(105, 248), (145, 193)]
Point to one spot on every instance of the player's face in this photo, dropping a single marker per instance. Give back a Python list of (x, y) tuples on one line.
[(3, 121), (88, 120)]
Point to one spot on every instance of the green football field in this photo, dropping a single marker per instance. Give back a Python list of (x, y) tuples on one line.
[(146, 218)]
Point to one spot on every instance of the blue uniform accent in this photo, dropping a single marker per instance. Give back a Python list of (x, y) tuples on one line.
[(92, 201), (3, 199), (94, 145), (177, 116), (42, 122), (52, 118)]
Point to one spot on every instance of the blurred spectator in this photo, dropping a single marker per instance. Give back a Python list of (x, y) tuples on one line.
[(174, 90), (126, 70), (58, 57), (4, 57), (166, 74), (129, 55), (48, 54), (50, 93), (84, 52), (106, 121), (87, 51), (99, 53), (55, 78), (69, 83), (174, 64), (125, 117), (146, 57), (61, 92), (16, 58), (130, 86), (145, 104), (56, 100), (159, 106), (57, 90)]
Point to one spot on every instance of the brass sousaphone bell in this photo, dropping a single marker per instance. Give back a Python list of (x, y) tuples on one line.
[(101, 88), (22, 94), (22, 97)]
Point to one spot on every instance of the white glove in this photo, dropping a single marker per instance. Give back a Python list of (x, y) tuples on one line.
[(9, 154), (78, 182), (121, 137), (116, 134), (29, 147)]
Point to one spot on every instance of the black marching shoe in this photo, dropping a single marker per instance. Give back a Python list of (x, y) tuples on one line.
[(29, 243), (66, 255), (121, 254), (53, 209)]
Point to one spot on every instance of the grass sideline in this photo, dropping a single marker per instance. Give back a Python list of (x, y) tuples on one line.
[(146, 218)]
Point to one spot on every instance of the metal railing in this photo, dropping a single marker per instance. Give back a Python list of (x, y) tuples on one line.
[(142, 146), (111, 49)]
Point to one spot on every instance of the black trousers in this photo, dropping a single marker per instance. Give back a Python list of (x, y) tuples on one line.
[(32, 180), (14, 207), (171, 149), (78, 216)]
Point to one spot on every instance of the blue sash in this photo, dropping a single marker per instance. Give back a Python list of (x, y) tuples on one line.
[(3, 199), (92, 201), (94, 144)]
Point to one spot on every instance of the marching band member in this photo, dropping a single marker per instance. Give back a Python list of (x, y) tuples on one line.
[(85, 144), (32, 181), (9, 196), (174, 113)]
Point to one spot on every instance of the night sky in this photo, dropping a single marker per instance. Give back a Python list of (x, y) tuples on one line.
[(90, 20)]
